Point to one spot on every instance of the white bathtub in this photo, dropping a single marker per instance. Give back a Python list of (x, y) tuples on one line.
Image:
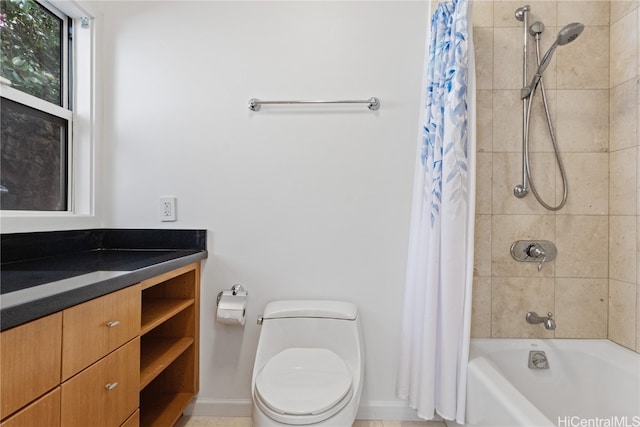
[(588, 383)]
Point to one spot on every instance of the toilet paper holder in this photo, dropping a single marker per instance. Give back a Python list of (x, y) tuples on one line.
[(235, 290)]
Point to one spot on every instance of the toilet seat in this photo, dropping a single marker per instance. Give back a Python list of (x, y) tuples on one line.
[(303, 385)]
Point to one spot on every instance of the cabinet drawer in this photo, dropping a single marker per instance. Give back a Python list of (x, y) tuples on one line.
[(106, 393), (95, 328), (29, 362), (43, 412)]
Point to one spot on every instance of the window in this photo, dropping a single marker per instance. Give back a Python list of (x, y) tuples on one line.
[(34, 159), (36, 117)]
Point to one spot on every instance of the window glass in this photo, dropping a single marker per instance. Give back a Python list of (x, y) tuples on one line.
[(32, 49), (36, 122), (33, 159)]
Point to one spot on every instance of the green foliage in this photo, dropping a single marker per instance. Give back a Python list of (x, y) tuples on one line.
[(31, 51)]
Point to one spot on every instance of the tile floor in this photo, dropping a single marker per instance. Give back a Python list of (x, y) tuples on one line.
[(187, 421)]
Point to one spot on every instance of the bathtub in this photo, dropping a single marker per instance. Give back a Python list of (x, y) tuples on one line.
[(588, 383)]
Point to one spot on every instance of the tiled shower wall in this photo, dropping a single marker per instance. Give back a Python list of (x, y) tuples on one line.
[(624, 203), (589, 285)]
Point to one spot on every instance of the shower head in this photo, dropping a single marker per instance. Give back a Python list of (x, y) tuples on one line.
[(569, 33), (566, 35)]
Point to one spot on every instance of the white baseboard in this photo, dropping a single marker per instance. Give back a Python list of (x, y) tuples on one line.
[(371, 410)]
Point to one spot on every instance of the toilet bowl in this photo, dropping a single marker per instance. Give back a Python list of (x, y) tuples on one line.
[(309, 365)]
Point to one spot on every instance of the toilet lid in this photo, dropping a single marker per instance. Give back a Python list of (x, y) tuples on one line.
[(303, 381)]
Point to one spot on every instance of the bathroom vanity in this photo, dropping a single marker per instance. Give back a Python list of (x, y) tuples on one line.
[(108, 349)]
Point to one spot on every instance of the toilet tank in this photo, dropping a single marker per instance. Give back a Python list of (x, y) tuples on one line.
[(334, 325)]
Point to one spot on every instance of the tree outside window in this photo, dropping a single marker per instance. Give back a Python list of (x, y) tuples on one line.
[(34, 142)]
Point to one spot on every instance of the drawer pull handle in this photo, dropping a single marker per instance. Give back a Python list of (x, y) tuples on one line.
[(111, 386), (113, 324)]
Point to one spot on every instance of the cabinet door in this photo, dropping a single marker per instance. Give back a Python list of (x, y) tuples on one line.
[(93, 329), (43, 412), (106, 393), (29, 362)]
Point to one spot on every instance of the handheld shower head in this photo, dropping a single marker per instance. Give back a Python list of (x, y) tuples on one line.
[(569, 33), (566, 35)]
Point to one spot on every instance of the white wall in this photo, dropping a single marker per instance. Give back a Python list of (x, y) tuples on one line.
[(304, 202)]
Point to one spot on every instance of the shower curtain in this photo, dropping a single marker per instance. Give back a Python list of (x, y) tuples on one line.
[(437, 300)]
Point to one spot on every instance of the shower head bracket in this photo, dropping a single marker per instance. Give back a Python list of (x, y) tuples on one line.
[(536, 28)]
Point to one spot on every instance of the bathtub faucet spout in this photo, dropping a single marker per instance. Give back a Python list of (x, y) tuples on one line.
[(533, 318)]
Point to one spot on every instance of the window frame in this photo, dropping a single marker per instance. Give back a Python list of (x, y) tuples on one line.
[(82, 125), (61, 111)]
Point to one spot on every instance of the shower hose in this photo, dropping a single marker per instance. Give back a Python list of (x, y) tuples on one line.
[(553, 140)]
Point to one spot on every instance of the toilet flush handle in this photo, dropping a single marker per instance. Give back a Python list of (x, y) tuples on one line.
[(259, 322)]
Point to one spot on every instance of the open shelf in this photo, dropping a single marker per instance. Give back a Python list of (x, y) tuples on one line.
[(157, 310), (169, 345), (162, 409), (157, 354)]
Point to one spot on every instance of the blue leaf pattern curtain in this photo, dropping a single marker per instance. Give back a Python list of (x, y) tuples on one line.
[(437, 302)]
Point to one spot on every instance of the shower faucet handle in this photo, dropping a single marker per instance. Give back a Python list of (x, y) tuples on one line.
[(544, 258), (540, 251), (536, 251)]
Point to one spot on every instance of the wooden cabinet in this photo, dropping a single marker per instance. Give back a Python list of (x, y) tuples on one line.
[(169, 345), (44, 411), (106, 393), (30, 357), (127, 359), (98, 327)]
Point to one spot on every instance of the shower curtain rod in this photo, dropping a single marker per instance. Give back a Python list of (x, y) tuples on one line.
[(372, 103)]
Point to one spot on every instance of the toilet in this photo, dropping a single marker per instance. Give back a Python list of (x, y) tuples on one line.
[(309, 365)]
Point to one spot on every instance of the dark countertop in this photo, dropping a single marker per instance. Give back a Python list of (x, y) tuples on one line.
[(42, 273)]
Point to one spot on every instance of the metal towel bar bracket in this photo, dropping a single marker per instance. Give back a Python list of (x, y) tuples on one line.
[(373, 103)]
